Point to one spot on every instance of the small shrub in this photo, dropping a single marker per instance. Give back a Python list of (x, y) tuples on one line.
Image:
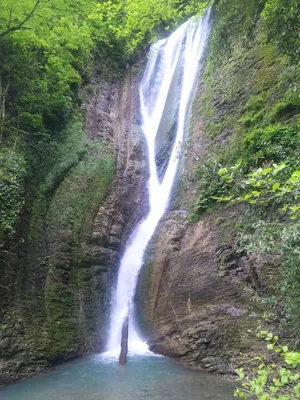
[(287, 107), (274, 142), (273, 375)]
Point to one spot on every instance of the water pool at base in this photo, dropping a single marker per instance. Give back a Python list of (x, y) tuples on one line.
[(143, 377)]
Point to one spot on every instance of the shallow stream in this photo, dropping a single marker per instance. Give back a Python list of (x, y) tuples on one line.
[(144, 377)]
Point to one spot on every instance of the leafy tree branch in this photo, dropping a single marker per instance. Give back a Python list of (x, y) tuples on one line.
[(21, 24)]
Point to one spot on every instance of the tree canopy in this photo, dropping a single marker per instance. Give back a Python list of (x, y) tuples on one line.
[(48, 49)]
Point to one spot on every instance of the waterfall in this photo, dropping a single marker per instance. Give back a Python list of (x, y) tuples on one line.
[(180, 52)]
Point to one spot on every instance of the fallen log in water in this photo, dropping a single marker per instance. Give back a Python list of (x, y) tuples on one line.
[(124, 342)]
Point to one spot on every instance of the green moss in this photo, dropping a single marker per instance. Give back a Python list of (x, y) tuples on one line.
[(81, 170), (255, 103), (70, 215), (84, 188), (213, 129), (60, 319), (288, 107), (252, 119), (65, 155), (250, 92), (234, 23), (12, 191), (61, 212), (273, 142)]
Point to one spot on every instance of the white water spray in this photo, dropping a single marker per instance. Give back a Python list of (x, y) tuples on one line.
[(183, 49)]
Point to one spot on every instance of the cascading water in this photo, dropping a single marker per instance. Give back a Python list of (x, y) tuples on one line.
[(182, 50)]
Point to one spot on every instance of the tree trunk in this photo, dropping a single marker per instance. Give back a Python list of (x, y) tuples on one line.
[(124, 342)]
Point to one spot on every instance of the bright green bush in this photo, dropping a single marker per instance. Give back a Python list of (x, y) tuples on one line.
[(265, 186), (273, 375), (288, 106), (273, 142)]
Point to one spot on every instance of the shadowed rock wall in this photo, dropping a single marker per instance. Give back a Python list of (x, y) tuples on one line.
[(56, 277)]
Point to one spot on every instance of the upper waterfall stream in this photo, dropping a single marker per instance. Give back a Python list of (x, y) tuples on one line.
[(176, 58)]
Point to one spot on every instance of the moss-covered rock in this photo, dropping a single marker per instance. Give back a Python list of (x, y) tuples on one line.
[(58, 272)]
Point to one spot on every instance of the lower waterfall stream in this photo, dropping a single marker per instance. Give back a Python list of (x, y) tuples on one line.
[(173, 62)]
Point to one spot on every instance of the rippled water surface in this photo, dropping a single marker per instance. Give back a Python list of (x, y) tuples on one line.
[(144, 377)]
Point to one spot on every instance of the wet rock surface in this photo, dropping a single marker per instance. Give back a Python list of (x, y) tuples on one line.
[(55, 289), (193, 293), (167, 129), (125, 204), (195, 313)]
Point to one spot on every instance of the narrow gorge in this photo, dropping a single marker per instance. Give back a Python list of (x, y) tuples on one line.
[(149, 172)]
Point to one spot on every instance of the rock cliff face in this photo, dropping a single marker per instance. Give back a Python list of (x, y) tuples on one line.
[(127, 200), (191, 292), (56, 279), (197, 295)]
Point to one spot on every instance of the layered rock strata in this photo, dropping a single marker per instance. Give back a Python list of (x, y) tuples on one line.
[(55, 287)]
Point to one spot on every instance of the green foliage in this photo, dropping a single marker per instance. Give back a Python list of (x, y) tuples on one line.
[(260, 236), (273, 142), (47, 50), (272, 193), (273, 375), (253, 111), (288, 106), (235, 21), (211, 186), (265, 186), (47, 47), (136, 22), (41, 62), (12, 174), (282, 20)]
